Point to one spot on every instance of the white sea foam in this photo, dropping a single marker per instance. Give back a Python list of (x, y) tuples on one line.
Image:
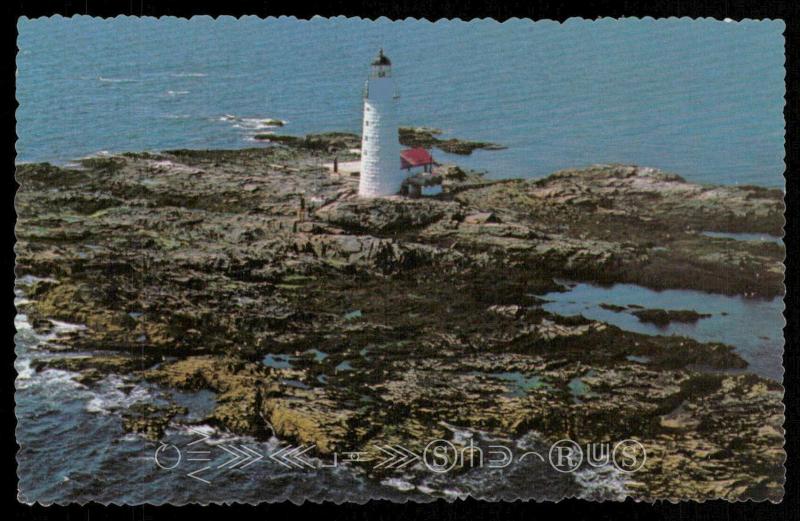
[(24, 370), (177, 92), (26, 335), (111, 395), (116, 80), (27, 280), (21, 319), (65, 327), (99, 153), (253, 123), (425, 489), (259, 123), (605, 482), (188, 75), (51, 382), (398, 484), (215, 436), (454, 493), (32, 340)]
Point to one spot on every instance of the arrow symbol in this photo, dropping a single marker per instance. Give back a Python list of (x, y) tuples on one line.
[(258, 457), (407, 457), (290, 456), (192, 475), (233, 451), (204, 436), (242, 453), (398, 457), (277, 457), (392, 456), (297, 456)]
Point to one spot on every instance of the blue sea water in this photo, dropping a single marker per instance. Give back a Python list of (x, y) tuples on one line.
[(753, 326), (701, 98)]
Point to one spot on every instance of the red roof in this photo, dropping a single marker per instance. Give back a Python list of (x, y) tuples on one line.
[(415, 157)]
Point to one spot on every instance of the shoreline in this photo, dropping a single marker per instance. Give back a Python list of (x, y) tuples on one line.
[(205, 256)]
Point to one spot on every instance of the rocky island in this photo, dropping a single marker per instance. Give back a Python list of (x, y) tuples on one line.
[(429, 137), (401, 318)]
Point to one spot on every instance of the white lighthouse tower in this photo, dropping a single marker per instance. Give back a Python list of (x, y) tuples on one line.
[(381, 174)]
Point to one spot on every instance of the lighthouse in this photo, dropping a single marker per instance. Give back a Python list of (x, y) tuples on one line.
[(381, 173)]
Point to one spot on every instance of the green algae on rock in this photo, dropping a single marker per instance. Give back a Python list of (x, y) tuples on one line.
[(149, 420)]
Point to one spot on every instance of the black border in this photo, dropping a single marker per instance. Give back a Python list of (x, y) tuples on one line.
[(787, 10)]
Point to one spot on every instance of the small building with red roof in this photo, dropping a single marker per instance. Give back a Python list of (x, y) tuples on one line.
[(416, 160)]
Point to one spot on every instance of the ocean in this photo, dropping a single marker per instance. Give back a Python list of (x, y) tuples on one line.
[(700, 98)]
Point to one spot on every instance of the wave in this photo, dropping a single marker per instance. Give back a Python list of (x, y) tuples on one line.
[(99, 153), (29, 338), (177, 92), (115, 393), (24, 371), (116, 80), (188, 74), (258, 123), (48, 382), (253, 123), (214, 435)]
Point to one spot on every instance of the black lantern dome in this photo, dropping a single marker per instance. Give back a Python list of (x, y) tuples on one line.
[(381, 60)]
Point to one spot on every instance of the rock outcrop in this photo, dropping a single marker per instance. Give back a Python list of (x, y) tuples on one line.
[(387, 310), (426, 137)]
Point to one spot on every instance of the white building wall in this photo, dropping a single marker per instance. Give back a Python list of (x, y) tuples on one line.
[(380, 146)]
